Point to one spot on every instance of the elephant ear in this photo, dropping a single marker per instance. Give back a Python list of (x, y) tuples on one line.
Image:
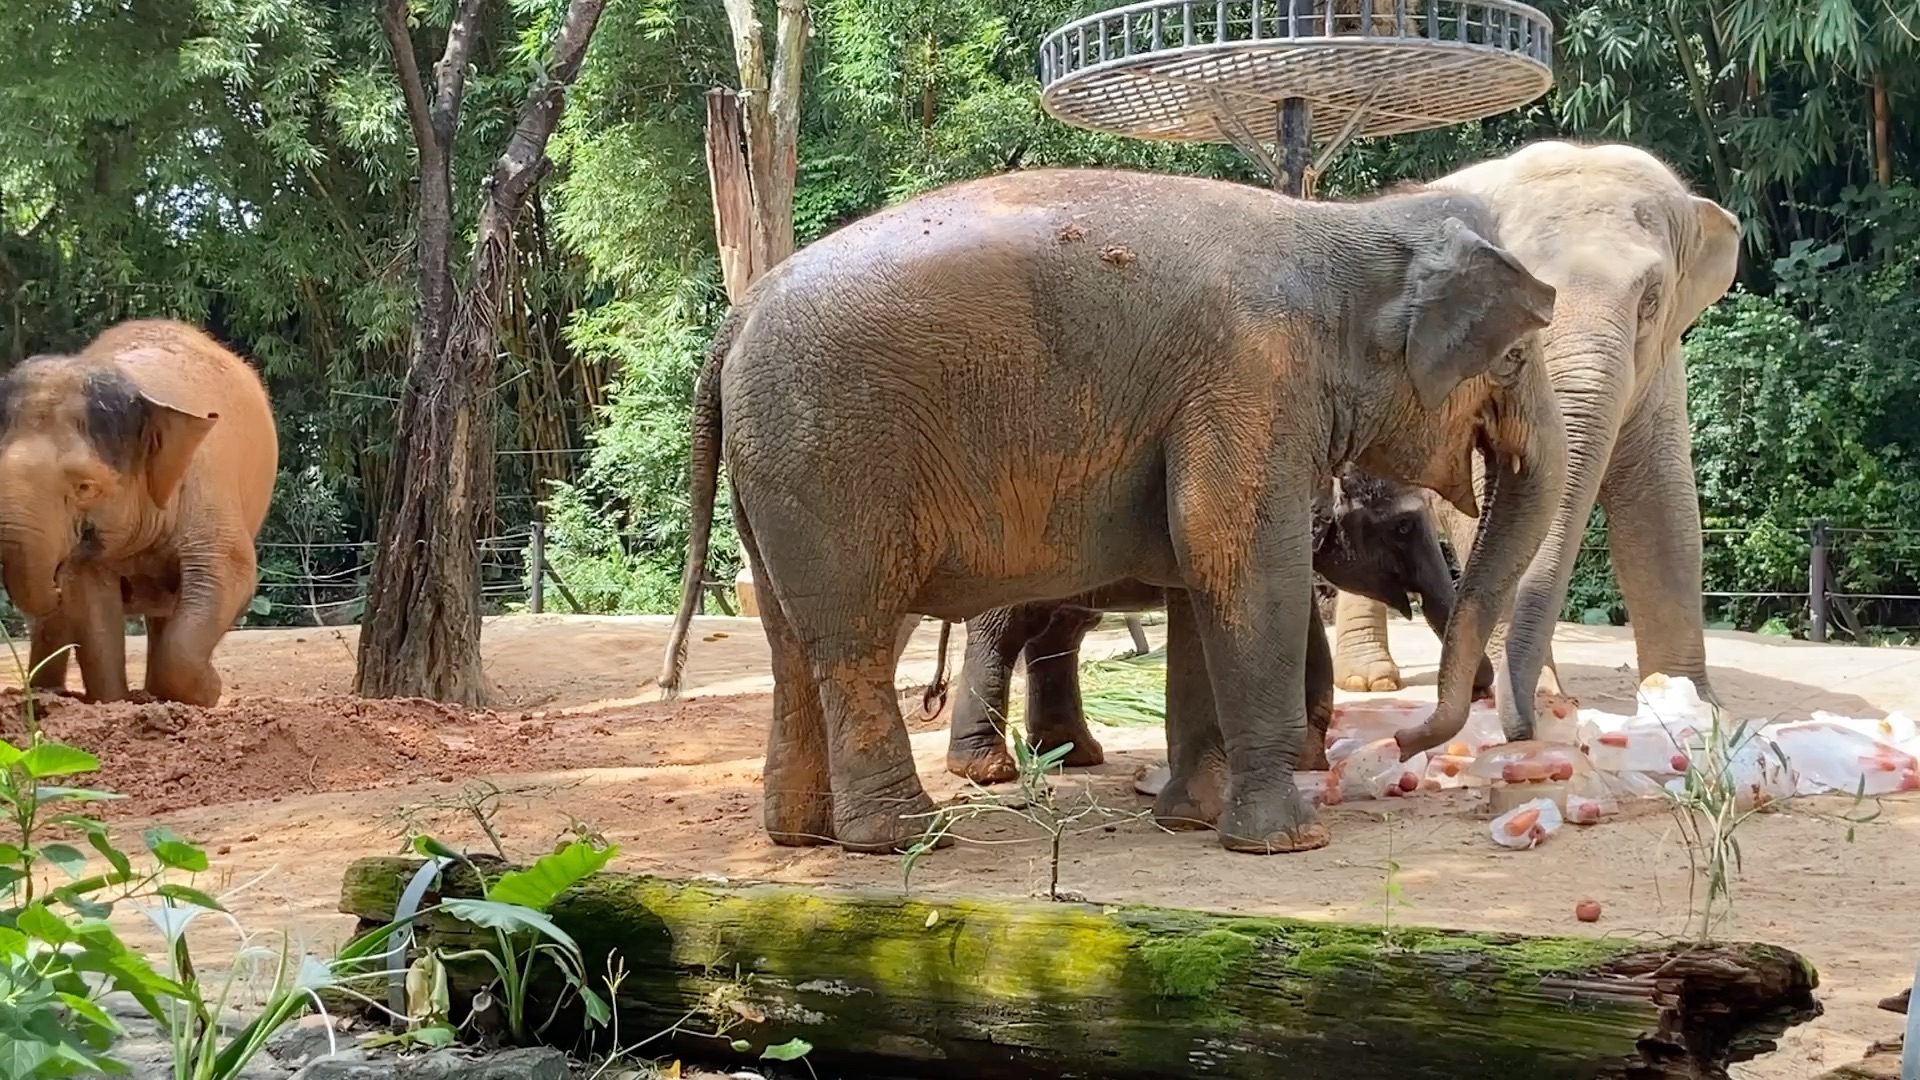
[(172, 437), (1714, 260), (1471, 301)]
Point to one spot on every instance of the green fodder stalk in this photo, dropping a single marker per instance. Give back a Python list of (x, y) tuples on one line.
[(1126, 690)]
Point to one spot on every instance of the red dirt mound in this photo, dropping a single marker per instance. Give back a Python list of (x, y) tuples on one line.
[(164, 755)]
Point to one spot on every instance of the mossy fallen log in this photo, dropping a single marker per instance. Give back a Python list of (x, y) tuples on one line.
[(883, 985)]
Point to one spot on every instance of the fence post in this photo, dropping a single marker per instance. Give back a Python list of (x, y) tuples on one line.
[(1817, 583), (537, 596)]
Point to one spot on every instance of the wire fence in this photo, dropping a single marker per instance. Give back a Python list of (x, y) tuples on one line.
[(1852, 579), (1811, 568)]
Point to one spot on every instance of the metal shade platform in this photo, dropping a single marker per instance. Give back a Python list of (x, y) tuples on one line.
[(1214, 71)]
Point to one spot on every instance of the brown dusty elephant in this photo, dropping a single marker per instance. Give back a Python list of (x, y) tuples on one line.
[(134, 476), (1041, 383), (1370, 535), (1634, 259)]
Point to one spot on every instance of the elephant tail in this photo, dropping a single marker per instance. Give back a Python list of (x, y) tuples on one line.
[(703, 482)]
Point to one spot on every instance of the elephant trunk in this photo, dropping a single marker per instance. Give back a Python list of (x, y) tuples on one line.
[(1525, 460), (30, 564), (1436, 606), (1592, 405)]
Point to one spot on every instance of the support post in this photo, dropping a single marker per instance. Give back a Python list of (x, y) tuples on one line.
[(1817, 583), (1295, 152), (1296, 147), (536, 593)]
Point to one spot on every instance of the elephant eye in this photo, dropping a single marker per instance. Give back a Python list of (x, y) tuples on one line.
[(1650, 303), (86, 490)]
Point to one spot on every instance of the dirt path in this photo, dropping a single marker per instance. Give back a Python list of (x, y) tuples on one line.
[(291, 778)]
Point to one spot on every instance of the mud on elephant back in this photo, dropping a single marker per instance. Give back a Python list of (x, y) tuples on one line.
[(134, 477), (1372, 537), (1635, 258), (1036, 384)]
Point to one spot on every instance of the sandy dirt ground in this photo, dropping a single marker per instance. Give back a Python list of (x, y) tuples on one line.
[(290, 778)]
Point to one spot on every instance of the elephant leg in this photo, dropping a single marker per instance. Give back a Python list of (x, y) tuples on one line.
[(1250, 579), (1055, 716), (879, 805), (976, 735), (48, 652), (796, 785), (1196, 791), (94, 612), (1319, 672), (1363, 663), (1653, 535), (213, 593)]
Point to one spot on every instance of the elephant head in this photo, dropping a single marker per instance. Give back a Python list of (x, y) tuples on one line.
[(1633, 258), (89, 465), (1377, 538), (1466, 327)]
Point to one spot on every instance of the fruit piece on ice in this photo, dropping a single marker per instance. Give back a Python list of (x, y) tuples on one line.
[(1585, 810), (1525, 825), (1368, 772), (1528, 762), (1372, 720), (1640, 743), (1837, 757)]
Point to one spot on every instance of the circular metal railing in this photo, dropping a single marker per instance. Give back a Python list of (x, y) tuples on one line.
[(1189, 70)]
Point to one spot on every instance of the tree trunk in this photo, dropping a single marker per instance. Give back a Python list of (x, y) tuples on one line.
[(752, 145), (937, 987), (421, 634), (1882, 140)]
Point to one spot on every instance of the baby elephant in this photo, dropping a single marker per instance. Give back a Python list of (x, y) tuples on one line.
[(134, 476), (1372, 537)]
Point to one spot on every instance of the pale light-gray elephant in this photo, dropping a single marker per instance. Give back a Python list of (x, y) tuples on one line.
[(1634, 258), (1042, 383)]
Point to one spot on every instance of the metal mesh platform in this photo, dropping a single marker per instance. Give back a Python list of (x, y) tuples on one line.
[(1189, 70)]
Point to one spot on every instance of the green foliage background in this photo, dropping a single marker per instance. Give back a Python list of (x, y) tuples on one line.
[(245, 164)]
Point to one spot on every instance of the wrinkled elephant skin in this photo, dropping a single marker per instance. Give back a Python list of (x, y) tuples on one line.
[(1037, 384), (134, 476)]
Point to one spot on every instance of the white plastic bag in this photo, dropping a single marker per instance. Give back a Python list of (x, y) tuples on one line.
[(1526, 825), (1368, 772), (1837, 757), (1898, 728), (1150, 780)]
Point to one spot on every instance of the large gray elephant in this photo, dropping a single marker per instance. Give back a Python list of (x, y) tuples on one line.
[(1634, 258), (1037, 384), (1371, 536)]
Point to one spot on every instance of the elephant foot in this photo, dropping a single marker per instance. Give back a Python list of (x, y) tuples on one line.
[(993, 765), (1272, 821), (1193, 802), (886, 822), (1086, 752), (798, 818), (1377, 676)]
